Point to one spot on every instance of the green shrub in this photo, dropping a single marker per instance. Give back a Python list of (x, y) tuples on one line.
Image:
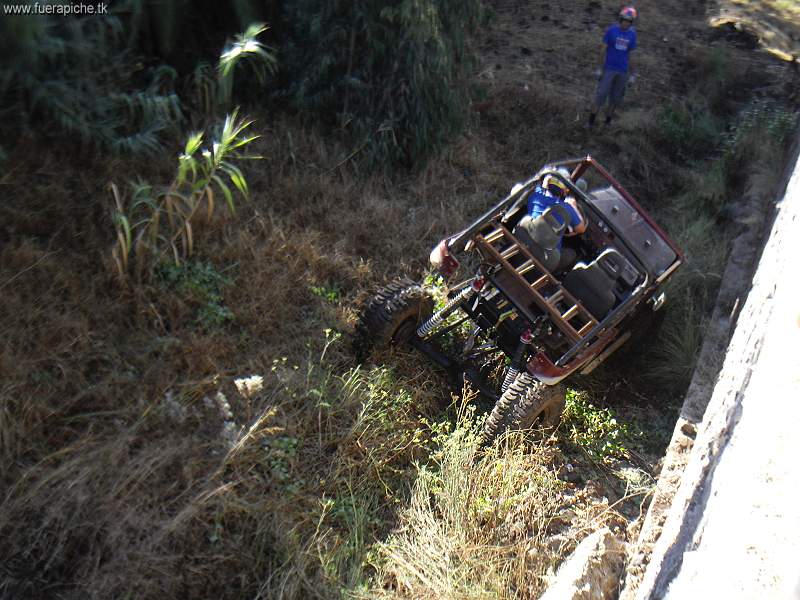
[(201, 285), (596, 430), (763, 121), (392, 73), (689, 129), (85, 76), (330, 292), (78, 75)]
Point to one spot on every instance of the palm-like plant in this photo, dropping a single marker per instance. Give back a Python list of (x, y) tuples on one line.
[(213, 87), (154, 224)]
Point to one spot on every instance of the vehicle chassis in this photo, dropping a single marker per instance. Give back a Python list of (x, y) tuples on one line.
[(542, 325)]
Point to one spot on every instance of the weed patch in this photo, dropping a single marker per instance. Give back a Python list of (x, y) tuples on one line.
[(596, 430), (689, 129), (200, 285), (475, 524), (331, 293)]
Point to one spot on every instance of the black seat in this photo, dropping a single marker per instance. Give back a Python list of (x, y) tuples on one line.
[(542, 235), (593, 284)]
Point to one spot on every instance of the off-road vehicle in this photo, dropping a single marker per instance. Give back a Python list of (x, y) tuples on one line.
[(546, 320)]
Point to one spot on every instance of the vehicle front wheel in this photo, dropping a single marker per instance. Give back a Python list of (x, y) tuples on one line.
[(525, 404), (392, 316)]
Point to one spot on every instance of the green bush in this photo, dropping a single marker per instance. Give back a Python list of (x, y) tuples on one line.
[(78, 75), (105, 81), (765, 120), (596, 430), (689, 129), (200, 284), (391, 73)]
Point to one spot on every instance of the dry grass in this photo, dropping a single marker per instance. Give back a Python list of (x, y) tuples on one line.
[(476, 525)]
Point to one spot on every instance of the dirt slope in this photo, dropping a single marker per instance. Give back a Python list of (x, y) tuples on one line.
[(539, 59)]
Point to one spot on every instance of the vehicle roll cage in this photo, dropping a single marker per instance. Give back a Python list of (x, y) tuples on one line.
[(578, 167)]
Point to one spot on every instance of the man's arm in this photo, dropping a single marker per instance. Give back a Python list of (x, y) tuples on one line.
[(606, 42), (578, 226)]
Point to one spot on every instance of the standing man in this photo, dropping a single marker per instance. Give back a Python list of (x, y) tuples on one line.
[(619, 41)]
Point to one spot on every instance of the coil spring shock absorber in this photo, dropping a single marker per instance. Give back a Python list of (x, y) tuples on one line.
[(518, 360), (440, 315)]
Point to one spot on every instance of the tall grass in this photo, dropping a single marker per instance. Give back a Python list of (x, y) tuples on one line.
[(348, 441), (476, 524), (706, 215), (154, 224), (393, 74)]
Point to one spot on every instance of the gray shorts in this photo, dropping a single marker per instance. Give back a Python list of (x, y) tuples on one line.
[(611, 86)]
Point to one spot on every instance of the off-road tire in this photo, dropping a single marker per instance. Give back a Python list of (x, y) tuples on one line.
[(391, 316), (526, 403)]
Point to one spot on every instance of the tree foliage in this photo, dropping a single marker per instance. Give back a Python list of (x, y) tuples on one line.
[(390, 73), (78, 75)]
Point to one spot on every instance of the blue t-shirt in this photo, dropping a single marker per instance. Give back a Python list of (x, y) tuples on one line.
[(539, 201), (620, 42)]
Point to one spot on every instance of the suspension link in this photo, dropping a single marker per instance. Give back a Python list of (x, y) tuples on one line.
[(518, 362), (439, 317)]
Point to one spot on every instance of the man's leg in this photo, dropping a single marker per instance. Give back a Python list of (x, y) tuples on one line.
[(603, 89), (616, 94), (566, 259)]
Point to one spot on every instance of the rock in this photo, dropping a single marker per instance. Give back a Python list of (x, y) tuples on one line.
[(557, 544), (592, 572)]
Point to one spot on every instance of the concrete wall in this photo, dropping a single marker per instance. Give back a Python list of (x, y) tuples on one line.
[(731, 522)]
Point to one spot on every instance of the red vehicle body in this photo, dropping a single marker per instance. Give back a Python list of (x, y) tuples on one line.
[(549, 319)]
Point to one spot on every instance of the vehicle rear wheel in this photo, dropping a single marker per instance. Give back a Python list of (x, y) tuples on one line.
[(392, 316), (526, 403)]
